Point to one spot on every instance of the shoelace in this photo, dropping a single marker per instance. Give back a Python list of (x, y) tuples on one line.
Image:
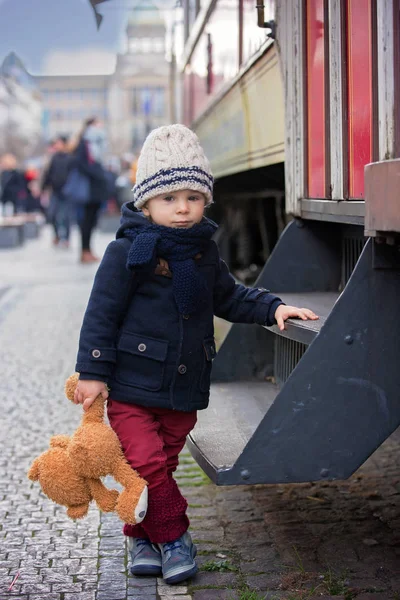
[(168, 546), (142, 542)]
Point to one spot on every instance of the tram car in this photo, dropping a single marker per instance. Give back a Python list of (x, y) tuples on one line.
[(297, 106)]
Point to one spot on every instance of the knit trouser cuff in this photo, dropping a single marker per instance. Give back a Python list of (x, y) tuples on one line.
[(166, 518)]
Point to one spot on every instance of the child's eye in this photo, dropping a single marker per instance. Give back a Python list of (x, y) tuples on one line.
[(168, 198), (193, 198)]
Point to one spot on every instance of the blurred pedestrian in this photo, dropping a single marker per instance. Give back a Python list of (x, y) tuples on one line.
[(32, 200), (89, 157), (55, 176), (13, 186)]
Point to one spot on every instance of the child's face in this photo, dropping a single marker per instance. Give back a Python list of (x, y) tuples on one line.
[(181, 209)]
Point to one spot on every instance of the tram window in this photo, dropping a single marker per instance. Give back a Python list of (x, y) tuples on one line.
[(254, 36)]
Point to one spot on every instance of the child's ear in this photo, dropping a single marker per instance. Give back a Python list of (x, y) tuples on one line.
[(145, 211)]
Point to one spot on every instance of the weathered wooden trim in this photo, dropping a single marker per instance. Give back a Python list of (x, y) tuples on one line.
[(336, 99), (331, 210), (290, 40), (386, 85)]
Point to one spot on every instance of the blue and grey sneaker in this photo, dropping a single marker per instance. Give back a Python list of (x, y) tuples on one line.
[(178, 559), (145, 557)]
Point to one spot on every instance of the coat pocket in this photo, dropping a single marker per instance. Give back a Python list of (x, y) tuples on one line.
[(141, 361), (210, 353)]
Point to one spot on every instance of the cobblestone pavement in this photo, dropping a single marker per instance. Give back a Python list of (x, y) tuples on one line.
[(295, 542)]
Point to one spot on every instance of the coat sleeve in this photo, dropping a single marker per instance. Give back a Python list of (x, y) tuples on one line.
[(240, 304), (106, 307)]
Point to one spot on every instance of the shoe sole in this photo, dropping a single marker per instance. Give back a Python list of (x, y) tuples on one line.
[(146, 570), (178, 577)]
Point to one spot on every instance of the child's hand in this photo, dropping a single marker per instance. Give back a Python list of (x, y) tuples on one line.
[(87, 391), (284, 312)]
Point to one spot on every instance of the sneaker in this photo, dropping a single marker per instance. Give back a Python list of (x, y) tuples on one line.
[(145, 557), (178, 559)]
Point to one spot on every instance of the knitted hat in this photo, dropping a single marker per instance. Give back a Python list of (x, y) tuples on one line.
[(172, 159)]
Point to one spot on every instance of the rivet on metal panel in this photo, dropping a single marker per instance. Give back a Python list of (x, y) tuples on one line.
[(348, 339), (245, 474)]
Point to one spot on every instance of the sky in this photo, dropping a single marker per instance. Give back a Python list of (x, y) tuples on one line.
[(60, 36)]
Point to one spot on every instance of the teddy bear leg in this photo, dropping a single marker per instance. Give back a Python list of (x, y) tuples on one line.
[(77, 512), (105, 499), (34, 471), (132, 508)]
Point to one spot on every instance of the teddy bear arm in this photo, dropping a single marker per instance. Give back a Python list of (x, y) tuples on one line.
[(33, 472), (105, 499)]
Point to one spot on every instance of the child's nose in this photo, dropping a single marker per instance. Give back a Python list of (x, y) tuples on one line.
[(183, 206)]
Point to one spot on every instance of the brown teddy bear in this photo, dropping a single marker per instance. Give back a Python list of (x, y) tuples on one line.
[(70, 470)]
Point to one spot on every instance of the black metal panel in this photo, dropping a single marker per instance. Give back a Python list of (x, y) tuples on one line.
[(245, 355), (342, 400), (306, 259)]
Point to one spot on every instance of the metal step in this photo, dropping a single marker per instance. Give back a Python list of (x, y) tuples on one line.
[(223, 430), (306, 331)]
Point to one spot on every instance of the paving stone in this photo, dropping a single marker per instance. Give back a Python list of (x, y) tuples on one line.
[(81, 596), (215, 595), (203, 578), (171, 590), (174, 597), (49, 596), (142, 596), (141, 582)]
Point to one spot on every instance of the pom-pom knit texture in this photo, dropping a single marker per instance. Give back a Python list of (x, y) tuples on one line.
[(172, 159)]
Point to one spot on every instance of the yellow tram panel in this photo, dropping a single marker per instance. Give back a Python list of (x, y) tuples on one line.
[(245, 128)]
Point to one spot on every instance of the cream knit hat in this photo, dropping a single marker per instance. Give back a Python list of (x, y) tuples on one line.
[(172, 159)]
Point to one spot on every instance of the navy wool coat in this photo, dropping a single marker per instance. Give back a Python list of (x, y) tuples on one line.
[(139, 344)]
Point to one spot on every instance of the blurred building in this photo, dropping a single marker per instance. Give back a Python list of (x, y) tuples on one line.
[(131, 101), (20, 109)]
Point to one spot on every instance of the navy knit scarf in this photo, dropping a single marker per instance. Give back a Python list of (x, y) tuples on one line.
[(178, 247)]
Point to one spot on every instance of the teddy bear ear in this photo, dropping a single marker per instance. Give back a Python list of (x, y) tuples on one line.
[(70, 386)]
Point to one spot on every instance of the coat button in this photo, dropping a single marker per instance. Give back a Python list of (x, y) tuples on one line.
[(182, 369), (142, 347), (186, 317), (96, 353)]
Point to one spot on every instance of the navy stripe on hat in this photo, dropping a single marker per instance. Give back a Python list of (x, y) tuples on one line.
[(170, 177), (184, 171)]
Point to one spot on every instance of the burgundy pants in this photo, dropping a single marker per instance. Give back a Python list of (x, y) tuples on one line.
[(152, 439)]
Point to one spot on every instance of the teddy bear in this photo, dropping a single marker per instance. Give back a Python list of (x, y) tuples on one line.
[(70, 470)]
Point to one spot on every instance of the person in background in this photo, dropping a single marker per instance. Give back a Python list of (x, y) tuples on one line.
[(54, 179), (32, 201), (12, 185), (88, 158)]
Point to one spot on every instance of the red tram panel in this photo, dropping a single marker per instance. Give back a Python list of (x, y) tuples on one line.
[(360, 103), (315, 86)]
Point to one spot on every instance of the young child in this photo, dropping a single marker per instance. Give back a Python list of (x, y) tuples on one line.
[(147, 340)]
